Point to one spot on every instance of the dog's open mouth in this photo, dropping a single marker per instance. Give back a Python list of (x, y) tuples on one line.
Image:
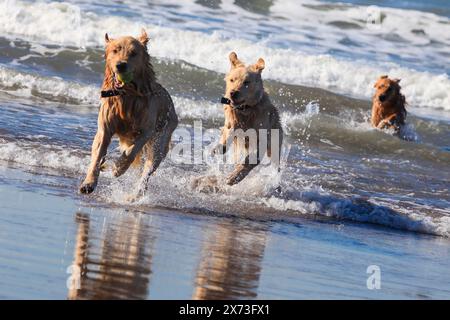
[(225, 100), (237, 103), (117, 83), (232, 102)]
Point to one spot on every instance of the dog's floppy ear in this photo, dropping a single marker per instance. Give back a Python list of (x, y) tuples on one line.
[(397, 80), (235, 62), (107, 39), (381, 78), (143, 38), (259, 65)]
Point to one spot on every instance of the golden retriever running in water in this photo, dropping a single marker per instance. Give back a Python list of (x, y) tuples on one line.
[(247, 106), (388, 105), (135, 107)]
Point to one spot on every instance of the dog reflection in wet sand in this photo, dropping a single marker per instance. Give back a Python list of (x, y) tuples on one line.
[(112, 260), (231, 261), (249, 113), (388, 105)]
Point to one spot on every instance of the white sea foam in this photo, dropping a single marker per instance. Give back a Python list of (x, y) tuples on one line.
[(251, 196), (322, 203), (39, 155), (168, 188), (66, 24), (26, 85)]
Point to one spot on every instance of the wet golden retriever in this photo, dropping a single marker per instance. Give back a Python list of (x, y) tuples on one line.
[(135, 107), (248, 108), (388, 105)]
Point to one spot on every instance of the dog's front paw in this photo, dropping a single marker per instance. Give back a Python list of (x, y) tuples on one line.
[(393, 124), (207, 184), (120, 166), (87, 187), (233, 179), (103, 167), (382, 124), (136, 196), (238, 175)]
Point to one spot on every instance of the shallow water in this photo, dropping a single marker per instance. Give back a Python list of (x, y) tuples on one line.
[(122, 252), (322, 59)]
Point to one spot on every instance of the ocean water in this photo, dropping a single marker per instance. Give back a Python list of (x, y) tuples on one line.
[(322, 58)]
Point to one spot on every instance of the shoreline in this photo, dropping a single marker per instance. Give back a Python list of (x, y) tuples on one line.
[(264, 214), (167, 254)]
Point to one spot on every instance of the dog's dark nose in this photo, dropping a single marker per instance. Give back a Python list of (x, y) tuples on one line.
[(234, 94), (382, 97), (121, 66)]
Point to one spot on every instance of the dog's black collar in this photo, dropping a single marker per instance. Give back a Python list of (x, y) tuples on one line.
[(110, 93), (241, 107)]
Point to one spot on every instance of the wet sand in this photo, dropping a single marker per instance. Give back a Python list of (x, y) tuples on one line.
[(47, 233)]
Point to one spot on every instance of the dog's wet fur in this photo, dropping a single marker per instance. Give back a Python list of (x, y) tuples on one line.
[(142, 116), (388, 105), (249, 108)]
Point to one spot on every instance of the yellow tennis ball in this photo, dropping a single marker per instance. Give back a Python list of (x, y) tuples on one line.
[(125, 77)]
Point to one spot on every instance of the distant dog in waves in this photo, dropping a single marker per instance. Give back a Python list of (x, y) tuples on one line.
[(388, 105)]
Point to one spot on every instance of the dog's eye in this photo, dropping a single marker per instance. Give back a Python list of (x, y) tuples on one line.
[(231, 80), (246, 83)]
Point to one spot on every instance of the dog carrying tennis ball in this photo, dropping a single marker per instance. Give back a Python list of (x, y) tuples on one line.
[(125, 77)]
